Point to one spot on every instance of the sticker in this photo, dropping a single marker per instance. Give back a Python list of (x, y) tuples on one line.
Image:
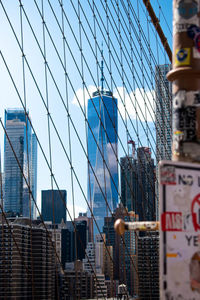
[(178, 133), (194, 33), (180, 234), (187, 9), (179, 99), (167, 175), (171, 221), (186, 123), (182, 57), (184, 120), (195, 212), (186, 98), (196, 53), (197, 43), (185, 15), (194, 270), (181, 27)]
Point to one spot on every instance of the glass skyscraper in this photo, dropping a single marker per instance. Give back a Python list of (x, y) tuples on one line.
[(138, 184), (54, 206), (33, 172), (163, 116), (163, 113), (102, 154), (129, 184), (20, 156)]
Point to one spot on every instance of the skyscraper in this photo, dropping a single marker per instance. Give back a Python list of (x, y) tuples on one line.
[(128, 170), (54, 206), (148, 266), (163, 120), (102, 154), (124, 257), (138, 184), (19, 157), (163, 113), (145, 204), (34, 171), (38, 259)]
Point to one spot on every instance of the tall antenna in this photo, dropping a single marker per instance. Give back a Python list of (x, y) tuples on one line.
[(102, 75)]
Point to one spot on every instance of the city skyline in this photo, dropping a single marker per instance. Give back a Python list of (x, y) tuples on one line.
[(76, 91), (87, 111)]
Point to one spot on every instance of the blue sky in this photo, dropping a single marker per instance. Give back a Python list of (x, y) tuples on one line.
[(77, 69)]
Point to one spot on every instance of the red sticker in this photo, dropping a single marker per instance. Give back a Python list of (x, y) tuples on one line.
[(195, 208), (171, 221)]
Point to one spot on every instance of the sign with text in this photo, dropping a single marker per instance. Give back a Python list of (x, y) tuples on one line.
[(179, 192)]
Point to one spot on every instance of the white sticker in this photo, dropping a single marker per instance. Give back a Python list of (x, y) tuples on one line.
[(186, 98), (185, 14), (196, 53), (180, 233)]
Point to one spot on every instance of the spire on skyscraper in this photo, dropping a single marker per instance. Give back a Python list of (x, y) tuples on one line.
[(102, 75)]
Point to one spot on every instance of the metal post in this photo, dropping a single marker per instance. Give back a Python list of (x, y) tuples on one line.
[(185, 76), (121, 226), (179, 185)]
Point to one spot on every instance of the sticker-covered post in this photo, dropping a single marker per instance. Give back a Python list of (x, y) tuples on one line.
[(185, 76), (179, 179)]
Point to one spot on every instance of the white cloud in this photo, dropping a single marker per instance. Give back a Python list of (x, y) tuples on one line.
[(139, 103), (78, 209), (82, 95)]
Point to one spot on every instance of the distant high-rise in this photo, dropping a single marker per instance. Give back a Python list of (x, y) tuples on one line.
[(124, 257), (163, 89), (39, 261), (128, 169), (163, 113), (20, 164), (54, 206), (74, 244), (138, 184), (102, 154), (84, 217), (1, 182), (148, 266), (34, 171), (127, 255)]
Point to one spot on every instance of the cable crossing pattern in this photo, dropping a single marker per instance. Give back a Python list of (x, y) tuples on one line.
[(85, 118)]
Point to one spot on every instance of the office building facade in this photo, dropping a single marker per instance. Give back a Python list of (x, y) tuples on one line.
[(54, 206), (78, 284), (33, 172), (27, 269), (102, 153), (84, 217), (148, 266), (20, 164), (126, 252), (163, 113), (163, 120), (73, 243), (124, 257), (128, 171), (145, 201), (138, 184)]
